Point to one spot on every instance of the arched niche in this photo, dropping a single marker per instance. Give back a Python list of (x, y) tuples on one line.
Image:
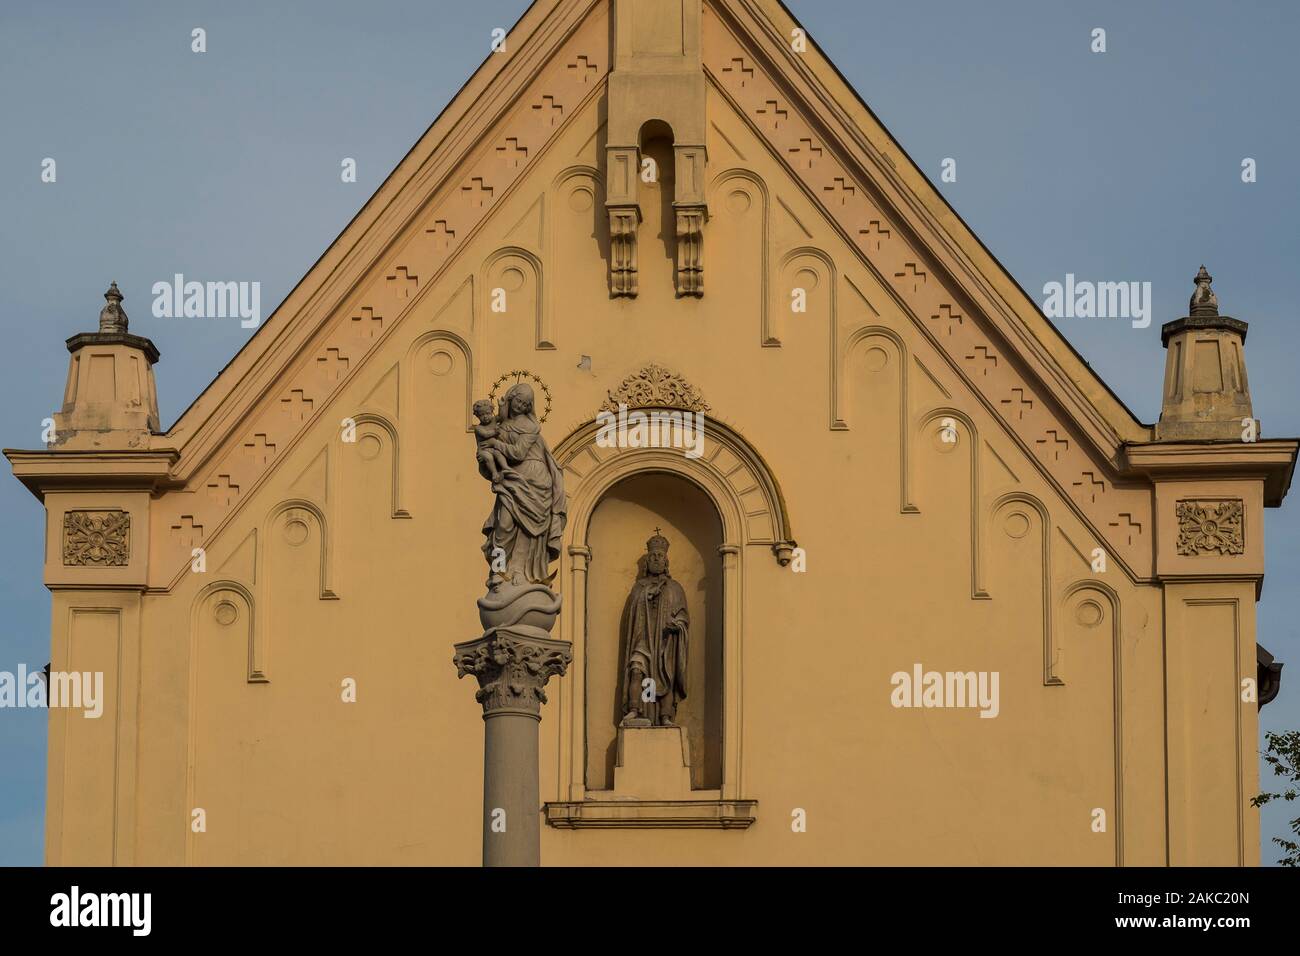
[(754, 526), (658, 188), (628, 514)]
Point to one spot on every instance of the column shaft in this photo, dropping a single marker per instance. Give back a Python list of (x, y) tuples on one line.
[(511, 805)]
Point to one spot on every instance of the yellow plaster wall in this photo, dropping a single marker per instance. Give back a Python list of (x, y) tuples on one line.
[(360, 560)]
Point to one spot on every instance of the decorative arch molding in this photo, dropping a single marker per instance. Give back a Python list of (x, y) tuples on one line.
[(259, 669), (567, 182), (767, 336), (244, 595), (290, 504), (730, 471), (241, 594), (1050, 677), (905, 503), (1111, 600), (467, 358), (544, 334), (386, 426), (832, 286), (928, 418), (578, 171)]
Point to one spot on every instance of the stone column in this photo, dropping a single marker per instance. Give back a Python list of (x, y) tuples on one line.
[(512, 665), (515, 655)]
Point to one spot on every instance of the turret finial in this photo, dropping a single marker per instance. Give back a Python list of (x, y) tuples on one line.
[(112, 317), (1204, 301), (1205, 394)]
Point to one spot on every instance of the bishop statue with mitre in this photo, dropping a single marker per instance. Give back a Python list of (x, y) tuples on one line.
[(655, 642)]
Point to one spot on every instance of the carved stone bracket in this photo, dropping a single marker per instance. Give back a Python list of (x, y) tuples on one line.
[(512, 666), (690, 250), (784, 551), (1210, 527), (623, 222)]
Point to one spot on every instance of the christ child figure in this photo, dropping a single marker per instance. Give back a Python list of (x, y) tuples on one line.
[(489, 445)]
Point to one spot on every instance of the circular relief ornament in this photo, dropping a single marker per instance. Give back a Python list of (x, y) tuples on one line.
[(226, 613), (1016, 524), (514, 377), (440, 362), (296, 531), (1088, 613)]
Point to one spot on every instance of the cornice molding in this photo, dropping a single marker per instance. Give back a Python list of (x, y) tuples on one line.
[(79, 470), (1270, 460)]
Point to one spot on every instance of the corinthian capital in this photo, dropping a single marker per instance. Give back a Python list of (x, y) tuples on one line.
[(512, 669)]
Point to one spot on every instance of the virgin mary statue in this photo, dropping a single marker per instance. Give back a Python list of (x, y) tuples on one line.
[(527, 520)]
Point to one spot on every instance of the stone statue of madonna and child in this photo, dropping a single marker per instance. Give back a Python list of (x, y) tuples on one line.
[(522, 533)]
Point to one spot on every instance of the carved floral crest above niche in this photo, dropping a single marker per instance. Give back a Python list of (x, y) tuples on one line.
[(656, 387), (96, 538), (1210, 527)]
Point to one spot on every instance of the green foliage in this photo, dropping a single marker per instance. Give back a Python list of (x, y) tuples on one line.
[(1283, 755)]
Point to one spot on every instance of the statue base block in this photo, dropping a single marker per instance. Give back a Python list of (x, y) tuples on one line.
[(653, 764)]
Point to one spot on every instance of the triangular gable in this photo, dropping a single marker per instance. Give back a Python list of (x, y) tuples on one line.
[(915, 245), (764, 27)]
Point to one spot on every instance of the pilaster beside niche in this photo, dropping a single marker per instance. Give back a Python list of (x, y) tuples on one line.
[(656, 90)]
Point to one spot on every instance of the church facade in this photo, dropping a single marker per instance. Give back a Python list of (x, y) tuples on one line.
[(806, 537)]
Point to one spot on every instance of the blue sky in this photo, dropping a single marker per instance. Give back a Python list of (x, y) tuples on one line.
[(1123, 165)]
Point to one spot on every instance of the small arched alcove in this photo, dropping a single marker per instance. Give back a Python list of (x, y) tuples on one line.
[(659, 185), (628, 514)]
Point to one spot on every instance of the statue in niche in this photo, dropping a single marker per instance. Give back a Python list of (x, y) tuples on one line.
[(655, 643)]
